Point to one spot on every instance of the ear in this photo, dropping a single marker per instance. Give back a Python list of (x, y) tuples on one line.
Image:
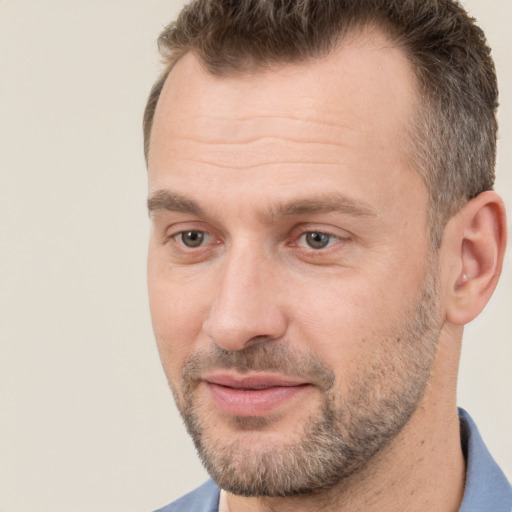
[(475, 240)]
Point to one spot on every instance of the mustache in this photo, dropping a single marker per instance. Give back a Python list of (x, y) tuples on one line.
[(266, 357)]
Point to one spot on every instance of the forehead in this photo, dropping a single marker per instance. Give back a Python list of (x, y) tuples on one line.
[(337, 116), (367, 73)]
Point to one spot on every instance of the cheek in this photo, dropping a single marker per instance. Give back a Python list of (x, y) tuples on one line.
[(178, 310), (349, 324)]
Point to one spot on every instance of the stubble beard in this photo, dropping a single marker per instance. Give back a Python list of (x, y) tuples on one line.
[(342, 435)]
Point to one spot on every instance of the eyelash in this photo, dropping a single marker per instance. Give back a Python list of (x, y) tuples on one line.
[(323, 238)]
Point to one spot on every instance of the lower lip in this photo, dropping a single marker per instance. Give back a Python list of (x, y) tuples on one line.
[(252, 402)]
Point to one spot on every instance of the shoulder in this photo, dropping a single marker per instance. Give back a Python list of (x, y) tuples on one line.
[(202, 499)]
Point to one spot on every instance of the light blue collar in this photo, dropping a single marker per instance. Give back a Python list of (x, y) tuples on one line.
[(487, 488)]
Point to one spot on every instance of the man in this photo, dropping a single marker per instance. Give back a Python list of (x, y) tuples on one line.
[(323, 225)]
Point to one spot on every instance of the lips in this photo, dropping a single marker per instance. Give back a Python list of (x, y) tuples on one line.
[(252, 395)]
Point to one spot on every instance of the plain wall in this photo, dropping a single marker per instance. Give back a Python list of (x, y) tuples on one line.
[(86, 420)]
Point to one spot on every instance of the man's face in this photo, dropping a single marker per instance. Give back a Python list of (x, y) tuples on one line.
[(292, 294)]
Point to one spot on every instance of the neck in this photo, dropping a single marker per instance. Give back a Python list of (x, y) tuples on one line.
[(423, 468)]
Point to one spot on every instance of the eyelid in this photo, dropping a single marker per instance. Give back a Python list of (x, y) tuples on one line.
[(176, 228), (332, 231)]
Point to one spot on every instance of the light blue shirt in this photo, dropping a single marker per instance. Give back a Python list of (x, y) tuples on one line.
[(487, 488)]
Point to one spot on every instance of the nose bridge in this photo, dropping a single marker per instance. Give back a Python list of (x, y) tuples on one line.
[(246, 307)]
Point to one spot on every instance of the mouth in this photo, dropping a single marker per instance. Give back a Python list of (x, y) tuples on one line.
[(252, 395)]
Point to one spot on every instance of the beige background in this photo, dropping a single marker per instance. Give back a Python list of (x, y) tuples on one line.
[(86, 420)]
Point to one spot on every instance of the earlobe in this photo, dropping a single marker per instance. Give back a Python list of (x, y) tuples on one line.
[(479, 235)]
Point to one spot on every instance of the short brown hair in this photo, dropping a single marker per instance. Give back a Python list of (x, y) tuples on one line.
[(454, 133)]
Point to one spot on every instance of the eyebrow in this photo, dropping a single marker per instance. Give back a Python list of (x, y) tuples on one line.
[(324, 204), (340, 203), (168, 201)]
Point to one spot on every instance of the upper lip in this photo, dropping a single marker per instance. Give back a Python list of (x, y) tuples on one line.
[(253, 381)]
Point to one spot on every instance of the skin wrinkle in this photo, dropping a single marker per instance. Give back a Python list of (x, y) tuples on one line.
[(337, 139), (231, 129), (336, 135), (254, 140), (289, 117), (302, 163)]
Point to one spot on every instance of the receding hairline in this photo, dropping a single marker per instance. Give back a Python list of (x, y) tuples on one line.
[(356, 32), (371, 33), (452, 138)]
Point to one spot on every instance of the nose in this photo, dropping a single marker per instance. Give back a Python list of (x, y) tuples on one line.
[(246, 308)]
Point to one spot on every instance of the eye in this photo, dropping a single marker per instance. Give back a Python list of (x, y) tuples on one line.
[(317, 240), (192, 238)]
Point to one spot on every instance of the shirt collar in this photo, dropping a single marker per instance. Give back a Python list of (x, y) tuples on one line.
[(487, 488)]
